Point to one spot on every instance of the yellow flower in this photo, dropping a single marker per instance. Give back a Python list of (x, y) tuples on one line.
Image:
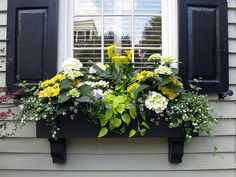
[(49, 92), (58, 78), (45, 83), (110, 50), (168, 92), (144, 74), (123, 59), (132, 87), (140, 76), (176, 81), (129, 54)]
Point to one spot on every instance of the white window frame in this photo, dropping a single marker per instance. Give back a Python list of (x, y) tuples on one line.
[(66, 32)]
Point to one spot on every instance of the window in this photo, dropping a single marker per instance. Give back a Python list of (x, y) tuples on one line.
[(141, 25)]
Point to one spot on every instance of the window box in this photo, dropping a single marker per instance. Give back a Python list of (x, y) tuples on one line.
[(82, 128)]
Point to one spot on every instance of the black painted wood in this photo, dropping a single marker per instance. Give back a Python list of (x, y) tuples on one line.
[(58, 150), (203, 45), (32, 28), (81, 128)]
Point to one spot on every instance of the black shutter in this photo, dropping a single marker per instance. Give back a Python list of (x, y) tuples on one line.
[(203, 44), (32, 27)]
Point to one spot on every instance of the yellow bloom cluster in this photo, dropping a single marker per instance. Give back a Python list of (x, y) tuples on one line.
[(176, 81), (51, 87), (132, 87), (144, 74), (50, 92), (119, 59), (52, 81), (169, 92)]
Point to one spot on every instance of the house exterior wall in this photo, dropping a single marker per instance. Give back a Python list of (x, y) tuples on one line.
[(25, 156)]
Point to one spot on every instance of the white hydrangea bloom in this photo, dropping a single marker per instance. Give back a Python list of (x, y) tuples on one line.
[(167, 60), (71, 64), (156, 102), (154, 57), (100, 65), (73, 74), (163, 70)]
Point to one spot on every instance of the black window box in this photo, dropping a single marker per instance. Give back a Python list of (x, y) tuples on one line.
[(82, 128)]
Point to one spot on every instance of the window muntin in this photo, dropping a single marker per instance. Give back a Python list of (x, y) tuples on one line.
[(130, 24)]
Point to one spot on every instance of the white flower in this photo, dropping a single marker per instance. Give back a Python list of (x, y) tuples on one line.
[(154, 57), (163, 70), (71, 64), (73, 74), (167, 60), (156, 102), (98, 93), (107, 92), (101, 83), (100, 65)]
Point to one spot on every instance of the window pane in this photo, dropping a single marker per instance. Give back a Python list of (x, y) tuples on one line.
[(141, 56), (147, 6), (118, 30), (87, 55), (118, 7), (147, 31), (87, 32), (87, 7)]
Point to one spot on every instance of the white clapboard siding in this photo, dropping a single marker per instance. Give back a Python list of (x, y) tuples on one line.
[(3, 4), (117, 146), (232, 59), (134, 162), (2, 64), (23, 155), (190, 173)]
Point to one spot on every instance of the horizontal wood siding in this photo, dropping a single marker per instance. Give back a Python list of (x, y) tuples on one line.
[(25, 156)]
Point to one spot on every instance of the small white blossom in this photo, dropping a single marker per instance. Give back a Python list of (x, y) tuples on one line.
[(163, 70), (156, 102)]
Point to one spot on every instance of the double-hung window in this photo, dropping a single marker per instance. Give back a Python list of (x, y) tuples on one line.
[(145, 26)]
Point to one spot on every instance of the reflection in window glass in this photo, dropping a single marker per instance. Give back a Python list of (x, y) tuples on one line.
[(147, 31), (87, 7), (117, 30), (87, 31), (147, 6), (130, 24), (118, 7)]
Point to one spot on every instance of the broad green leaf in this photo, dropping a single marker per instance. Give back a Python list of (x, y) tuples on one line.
[(65, 84), (119, 85), (117, 122), (140, 88), (165, 80), (103, 132), (82, 99), (111, 97), (143, 115), (122, 130), (63, 98), (121, 108), (132, 133), (108, 113), (85, 90), (145, 125), (116, 103), (126, 118), (174, 87), (103, 120), (133, 112)]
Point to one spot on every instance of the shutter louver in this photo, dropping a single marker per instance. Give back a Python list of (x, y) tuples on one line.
[(32, 27), (203, 44)]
